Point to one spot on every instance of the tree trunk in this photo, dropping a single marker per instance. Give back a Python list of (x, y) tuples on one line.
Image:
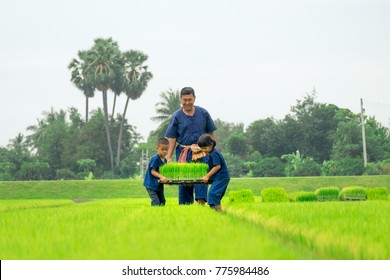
[(86, 108), (118, 153), (108, 134), (113, 106)]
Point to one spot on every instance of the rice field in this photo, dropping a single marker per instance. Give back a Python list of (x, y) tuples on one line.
[(118, 229), (113, 220)]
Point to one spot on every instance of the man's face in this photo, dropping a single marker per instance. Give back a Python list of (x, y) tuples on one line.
[(187, 101)]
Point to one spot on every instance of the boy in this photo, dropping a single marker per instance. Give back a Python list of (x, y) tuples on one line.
[(154, 188), (218, 172)]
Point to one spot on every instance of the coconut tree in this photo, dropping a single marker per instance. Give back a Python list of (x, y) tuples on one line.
[(170, 103), (135, 82), (101, 66), (80, 81)]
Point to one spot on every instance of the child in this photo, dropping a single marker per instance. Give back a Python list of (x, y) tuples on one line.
[(218, 172), (153, 187)]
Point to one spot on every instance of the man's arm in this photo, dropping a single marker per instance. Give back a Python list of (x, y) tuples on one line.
[(212, 134), (172, 146)]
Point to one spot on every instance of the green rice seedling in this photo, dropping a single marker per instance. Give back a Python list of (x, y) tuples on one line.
[(353, 193), (241, 196), (329, 230), (129, 229), (184, 171), (274, 195), (304, 197), (379, 193), (328, 194)]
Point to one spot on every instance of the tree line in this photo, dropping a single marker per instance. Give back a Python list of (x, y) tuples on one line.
[(312, 139)]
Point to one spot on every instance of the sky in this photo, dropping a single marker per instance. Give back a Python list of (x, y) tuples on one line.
[(246, 59)]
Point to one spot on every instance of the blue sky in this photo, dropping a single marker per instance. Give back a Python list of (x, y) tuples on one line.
[(247, 59)]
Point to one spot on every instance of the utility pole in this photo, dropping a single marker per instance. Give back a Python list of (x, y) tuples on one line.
[(363, 132), (144, 162)]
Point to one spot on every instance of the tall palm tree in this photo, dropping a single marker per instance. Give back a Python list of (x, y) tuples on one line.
[(136, 80), (170, 103), (102, 65), (80, 81)]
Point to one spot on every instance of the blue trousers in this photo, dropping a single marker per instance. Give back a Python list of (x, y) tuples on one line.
[(217, 191), (186, 193), (157, 197)]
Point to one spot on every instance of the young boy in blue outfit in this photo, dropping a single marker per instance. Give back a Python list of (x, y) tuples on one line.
[(154, 188), (219, 172)]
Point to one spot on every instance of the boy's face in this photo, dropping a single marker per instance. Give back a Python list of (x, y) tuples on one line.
[(162, 150), (207, 149)]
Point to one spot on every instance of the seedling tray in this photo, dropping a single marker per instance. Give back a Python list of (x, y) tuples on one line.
[(186, 182)]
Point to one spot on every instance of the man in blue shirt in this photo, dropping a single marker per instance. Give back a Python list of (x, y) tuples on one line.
[(186, 126)]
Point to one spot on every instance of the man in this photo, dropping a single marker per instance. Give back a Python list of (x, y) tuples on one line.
[(186, 126)]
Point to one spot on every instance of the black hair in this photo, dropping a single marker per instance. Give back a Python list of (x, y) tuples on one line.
[(162, 141), (206, 140), (187, 91)]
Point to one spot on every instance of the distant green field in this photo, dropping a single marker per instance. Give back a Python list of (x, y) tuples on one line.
[(131, 188), (113, 220)]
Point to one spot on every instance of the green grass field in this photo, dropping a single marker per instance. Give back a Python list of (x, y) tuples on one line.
[(113, 220)]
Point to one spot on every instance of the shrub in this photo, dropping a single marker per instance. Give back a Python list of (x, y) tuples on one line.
[(274, 195), (65, 174), (269, 167), (245, 195), (308, 167), (353, 193), (34, 171), (328, 194), (343, 167), (304, 196), (379, 193)]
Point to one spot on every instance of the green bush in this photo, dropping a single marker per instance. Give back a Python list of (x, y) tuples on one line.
[(353, 193), (343, 167), (269, 167), (34, 171), (274, 195), (65, 174), (308, 167), (245, 195), (328, 194), (379, 193)]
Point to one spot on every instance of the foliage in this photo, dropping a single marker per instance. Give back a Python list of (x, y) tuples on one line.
[(65, 174), (237, 145), (34, 171), (236, 165), (343, 167), (328, 194), (245, 195), (268, 167), (378, 193), (169, 104), (225, 129), (353, 193), (275, 194)]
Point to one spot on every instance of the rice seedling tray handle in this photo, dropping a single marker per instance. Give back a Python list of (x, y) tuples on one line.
[(186, 182)]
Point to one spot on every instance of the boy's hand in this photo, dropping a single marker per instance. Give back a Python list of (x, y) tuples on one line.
[(164, 179), (205, 179)]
